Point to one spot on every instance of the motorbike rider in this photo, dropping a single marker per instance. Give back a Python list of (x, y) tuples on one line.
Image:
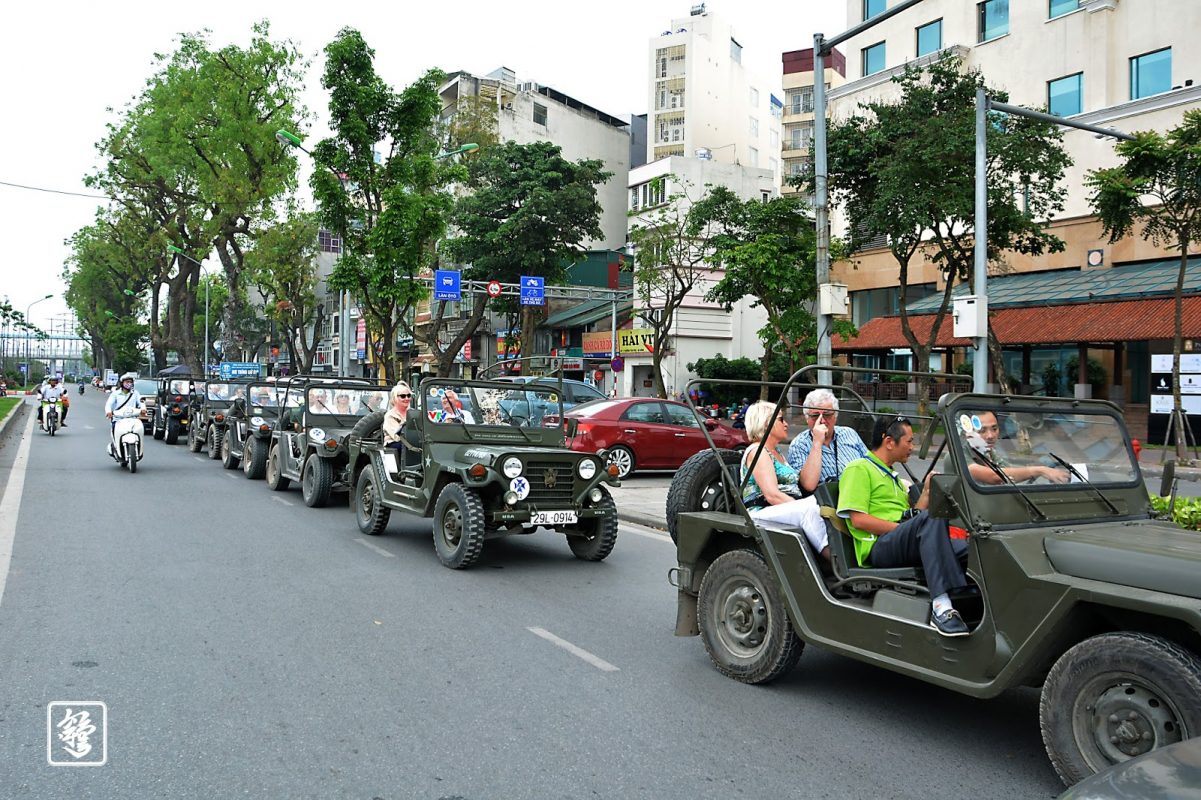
[(51, 392), (120, 399)]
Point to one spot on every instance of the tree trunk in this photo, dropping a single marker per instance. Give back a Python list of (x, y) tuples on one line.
[(1179, 420)]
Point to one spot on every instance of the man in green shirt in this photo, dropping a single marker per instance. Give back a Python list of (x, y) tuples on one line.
[(888, 533)]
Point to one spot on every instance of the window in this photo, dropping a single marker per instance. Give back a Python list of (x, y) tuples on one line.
[(754, 97), (873, 59), (634, 199), (681, 415), (929, 38), (800, 136), (1065, 96), (773, 138), (1151, 73), (644, 412), (328, 242), (753, 127), (539, 114), (754, 156), (773, 165), (993, 19), (1057, 8), (735, 52), (871, 303), (873, 7)]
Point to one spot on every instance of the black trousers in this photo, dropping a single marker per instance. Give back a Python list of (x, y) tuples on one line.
[(923, 541)]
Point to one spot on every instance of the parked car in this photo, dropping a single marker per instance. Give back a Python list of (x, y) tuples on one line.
[(645, 432), (148, 389), (535, 405)]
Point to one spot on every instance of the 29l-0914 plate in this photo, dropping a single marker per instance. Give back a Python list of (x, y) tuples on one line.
[(554, 518)]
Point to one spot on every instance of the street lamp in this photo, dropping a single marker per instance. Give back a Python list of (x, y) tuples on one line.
[(173, 249), (28, 365), (467, 148)]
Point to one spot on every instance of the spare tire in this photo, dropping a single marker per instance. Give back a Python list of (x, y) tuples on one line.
[(697, 485), (368, 425)]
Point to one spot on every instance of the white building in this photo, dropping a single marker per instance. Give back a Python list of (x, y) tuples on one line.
[(701, 329), (701, 97)]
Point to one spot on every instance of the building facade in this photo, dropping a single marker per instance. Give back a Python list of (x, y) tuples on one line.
[(797, 142)]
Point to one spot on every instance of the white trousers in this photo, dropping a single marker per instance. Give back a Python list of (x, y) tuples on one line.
[(803, 514)]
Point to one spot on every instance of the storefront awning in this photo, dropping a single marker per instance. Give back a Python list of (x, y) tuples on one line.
[(586, 313)]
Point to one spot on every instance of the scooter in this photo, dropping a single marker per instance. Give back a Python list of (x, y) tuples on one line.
[(50, 416), (81, 388), (126, 444)]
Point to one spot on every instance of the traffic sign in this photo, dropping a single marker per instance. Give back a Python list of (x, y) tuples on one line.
[(533, 290), (239, 369), (494, 288), (618, 363), (447, 285)]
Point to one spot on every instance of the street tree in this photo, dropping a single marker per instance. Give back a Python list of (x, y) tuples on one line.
[(283, 265), (380, 187), (672, 243), (1158, 187), (530, 212), (905, 171)]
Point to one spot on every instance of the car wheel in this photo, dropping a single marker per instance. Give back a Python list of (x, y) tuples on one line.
[(228, 459), (156, 430), (600, 533), (699, 485), (275, 474), (171, 436), (316, 481), (369, 510), (458, 526), (195, 439), (742, 619), (1116, 696), (623, 457), (254, 459), (213, 443)]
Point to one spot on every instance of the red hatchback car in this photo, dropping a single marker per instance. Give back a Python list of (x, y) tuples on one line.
[(646, 433)]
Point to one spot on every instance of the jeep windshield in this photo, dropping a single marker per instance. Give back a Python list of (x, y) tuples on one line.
[(179, 386), (344, 403), (262, 396), (224, 392), (479, 406)]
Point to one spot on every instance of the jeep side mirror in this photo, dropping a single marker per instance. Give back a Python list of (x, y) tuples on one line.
[(1167, 483), (571, 424), (942, 496)]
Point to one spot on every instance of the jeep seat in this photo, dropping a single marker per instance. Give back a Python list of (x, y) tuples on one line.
[(842, 544)]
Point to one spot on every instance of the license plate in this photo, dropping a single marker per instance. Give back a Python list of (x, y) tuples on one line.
[(554, 518)]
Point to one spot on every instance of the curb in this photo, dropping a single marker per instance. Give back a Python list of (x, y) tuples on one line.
[(645, 520), (7, 422)]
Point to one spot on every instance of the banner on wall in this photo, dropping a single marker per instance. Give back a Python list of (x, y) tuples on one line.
[(598, 344), (636, 341)]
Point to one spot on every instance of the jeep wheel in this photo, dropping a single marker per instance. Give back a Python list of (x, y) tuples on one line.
[(1116, 696), (254, 459), (369, 511), (171, 436), (698, 485), (228, 459), (213, 443), (742, 619), (600, 533), (316, 481), (155, 429), (195, 441), (458, 526), (623, 457), (275, 473)]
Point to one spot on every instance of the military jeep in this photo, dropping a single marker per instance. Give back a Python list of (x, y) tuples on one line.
[(212, 408), (309, 442), (173, 406), (1077, 588), (482, 473), (249, 428)]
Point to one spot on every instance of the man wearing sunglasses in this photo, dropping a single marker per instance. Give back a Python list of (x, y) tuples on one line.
[(837, 446)]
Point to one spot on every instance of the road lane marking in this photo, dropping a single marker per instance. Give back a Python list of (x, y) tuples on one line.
[(231, 476), (279, 499), (10, 505), (376, 548), (200, 458), (89, 428), (578, 652)]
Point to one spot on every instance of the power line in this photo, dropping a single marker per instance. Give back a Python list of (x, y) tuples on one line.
[(54, 191)]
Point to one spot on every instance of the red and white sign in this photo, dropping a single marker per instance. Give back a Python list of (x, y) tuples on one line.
[(494, 288)]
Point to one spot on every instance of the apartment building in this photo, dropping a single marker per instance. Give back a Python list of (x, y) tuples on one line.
[(799, 80)]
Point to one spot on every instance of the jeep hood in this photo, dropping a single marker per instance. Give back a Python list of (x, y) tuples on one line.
[(1145, 554)]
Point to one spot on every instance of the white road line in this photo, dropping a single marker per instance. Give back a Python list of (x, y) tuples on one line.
[(376, 548), (200, 458), (10, 505), (89, 428), (279, 499), (231, 476), (579, 652)]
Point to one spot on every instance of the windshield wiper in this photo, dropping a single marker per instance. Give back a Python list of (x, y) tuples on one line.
[(1086, 482), (1004, 476)]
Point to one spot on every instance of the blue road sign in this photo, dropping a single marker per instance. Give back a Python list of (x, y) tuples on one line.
[(447, 285), (239, 369), (533, 290)]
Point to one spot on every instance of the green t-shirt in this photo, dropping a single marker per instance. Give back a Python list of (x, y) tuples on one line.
[(868, 486)]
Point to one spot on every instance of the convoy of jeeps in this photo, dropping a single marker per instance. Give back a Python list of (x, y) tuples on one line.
[(1076, 587)]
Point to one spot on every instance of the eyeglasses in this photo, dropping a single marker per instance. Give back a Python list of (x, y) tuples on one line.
[(827, 413), (404, 395)]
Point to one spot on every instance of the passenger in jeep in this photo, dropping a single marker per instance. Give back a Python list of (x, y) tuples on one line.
[(888, 533), (985, 445), (837, 446), (397, 414)]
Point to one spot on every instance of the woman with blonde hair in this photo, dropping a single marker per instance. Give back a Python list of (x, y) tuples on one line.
[(400, 399), (770, 491)]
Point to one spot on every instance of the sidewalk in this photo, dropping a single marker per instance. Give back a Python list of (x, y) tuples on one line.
[(642, 499)]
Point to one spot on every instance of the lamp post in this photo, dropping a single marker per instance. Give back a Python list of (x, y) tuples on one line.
[(173, 249), (28, 365)]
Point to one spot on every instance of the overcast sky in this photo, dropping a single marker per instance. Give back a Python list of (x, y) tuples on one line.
[(65, 64)]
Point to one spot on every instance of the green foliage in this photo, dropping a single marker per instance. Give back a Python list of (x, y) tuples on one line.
[(1098, 376), (1051, 379), (1186, 514), (738, 369), (283, 265)]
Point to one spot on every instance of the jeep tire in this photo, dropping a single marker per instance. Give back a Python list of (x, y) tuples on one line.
[(316, 481), (1116, 696), (600, 533), (254, 458), (171, 436), (275, 471), (698, 486), (369, 510), (155, 429), (458, 526), (228, 459), (195, 441), (742, 619), (213, 443)]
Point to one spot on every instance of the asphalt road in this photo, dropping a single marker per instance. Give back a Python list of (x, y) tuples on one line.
[(246, 645)]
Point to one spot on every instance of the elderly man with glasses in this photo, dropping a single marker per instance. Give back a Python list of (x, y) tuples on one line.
[(837, 445)]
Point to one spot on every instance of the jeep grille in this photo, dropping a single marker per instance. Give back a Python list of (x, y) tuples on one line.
[(541, 493)]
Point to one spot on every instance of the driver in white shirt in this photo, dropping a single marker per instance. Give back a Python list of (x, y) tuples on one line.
[(51, 392)]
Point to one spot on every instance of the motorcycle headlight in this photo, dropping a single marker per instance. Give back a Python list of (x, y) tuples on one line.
[(317, 434), (587, 469), (511, 467), (256, 421)]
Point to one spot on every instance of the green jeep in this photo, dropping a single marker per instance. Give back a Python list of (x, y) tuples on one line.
[(482, 471), (173, 406), (1077, 588), (249, 427), (212, 408)]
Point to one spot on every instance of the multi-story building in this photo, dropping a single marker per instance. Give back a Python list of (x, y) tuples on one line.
[(1113, 63), (797, 143), (702, 98)]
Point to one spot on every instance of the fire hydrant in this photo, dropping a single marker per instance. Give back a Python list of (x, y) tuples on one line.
[(1138, 448)]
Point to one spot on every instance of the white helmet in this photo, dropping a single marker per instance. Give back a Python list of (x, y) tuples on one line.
[(129, 376)]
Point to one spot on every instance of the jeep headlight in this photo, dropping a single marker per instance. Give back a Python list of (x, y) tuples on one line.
[(317, 434), (256, 421), (512, 467), (587, 469), (596, 494), (511, 498)]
